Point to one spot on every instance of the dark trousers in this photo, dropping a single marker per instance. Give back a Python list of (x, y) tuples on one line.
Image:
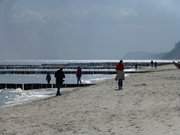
[(120, 84), (78, 80), (58, 92), (58, 89)]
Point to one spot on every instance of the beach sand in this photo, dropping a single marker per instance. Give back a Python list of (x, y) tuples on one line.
[(149, 104)]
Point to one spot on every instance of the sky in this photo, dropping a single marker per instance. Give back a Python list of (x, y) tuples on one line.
[(86, 29)]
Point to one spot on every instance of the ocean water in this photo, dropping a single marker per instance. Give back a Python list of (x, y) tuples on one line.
[(41, 78), (37, 62), (9, 97)]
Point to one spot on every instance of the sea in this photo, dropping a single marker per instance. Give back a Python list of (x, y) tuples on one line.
[(10, 97)]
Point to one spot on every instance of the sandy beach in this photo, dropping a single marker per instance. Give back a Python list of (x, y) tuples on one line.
[(149, 104)]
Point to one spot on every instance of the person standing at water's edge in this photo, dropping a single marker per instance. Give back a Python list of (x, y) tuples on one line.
[(78, 75), (59, 75), (120, 74), (48, 78)]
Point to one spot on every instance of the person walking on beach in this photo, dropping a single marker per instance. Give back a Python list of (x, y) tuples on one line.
[(78, 75), (59, 75), (120, 74), (155, 65), (136, 66), (152, 63), (48, 78)]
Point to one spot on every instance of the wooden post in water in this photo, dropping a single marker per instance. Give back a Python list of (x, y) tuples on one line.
[(5, 83)]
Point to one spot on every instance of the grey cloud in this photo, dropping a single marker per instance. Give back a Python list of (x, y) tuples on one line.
[(87, 30)]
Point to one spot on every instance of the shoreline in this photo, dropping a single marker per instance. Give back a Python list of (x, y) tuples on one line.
[(148, 104)]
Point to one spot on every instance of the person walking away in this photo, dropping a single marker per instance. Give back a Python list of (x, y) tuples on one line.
[(59, 75), (155, 65), (120, 74), (48, 78), (78, 75), (152, 63), (136, 66)]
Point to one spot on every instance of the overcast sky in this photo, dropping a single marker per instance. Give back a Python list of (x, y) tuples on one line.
[(86, 29)]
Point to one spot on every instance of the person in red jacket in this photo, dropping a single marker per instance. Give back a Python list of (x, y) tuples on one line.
[(120, 74)]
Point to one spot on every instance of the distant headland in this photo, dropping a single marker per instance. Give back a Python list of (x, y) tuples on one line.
[(172, 54)]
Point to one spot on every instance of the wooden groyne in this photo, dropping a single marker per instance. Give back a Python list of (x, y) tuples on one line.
[(67, 72), (30, 86), (70, 68), (100, 65)]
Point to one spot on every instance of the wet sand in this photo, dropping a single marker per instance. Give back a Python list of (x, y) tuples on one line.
[(149, 104)]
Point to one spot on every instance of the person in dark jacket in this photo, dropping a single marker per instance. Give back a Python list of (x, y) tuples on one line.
[(155, 65), (78, 75), (59, 75), (152, 63), (48, 78)]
